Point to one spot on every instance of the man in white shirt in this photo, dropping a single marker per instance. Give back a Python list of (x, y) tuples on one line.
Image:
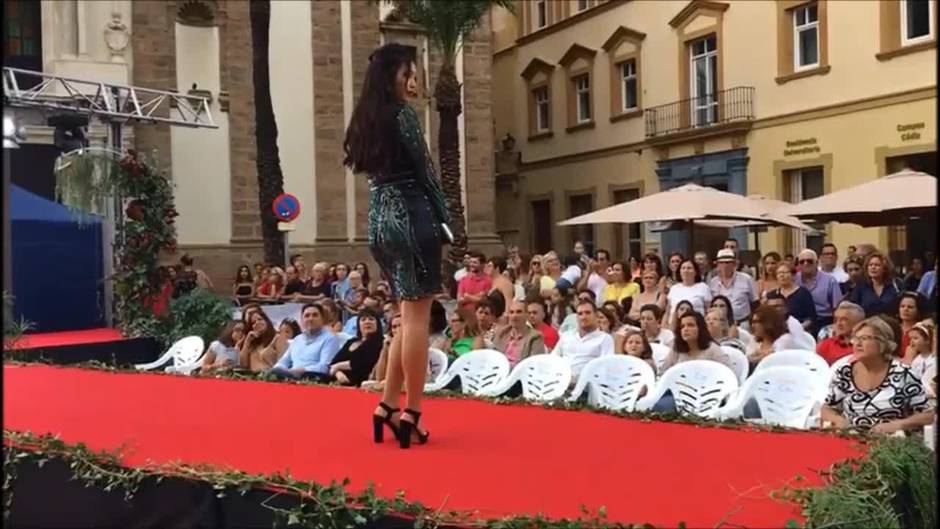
[(738, 287), (829, 262), (587, 343), (460, 273), (596, 281)]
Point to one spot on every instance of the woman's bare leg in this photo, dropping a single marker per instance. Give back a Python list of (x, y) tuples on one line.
[(394, 376), (416, 319)]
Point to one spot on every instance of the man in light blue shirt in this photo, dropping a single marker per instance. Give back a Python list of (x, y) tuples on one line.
[(311, 352), (824, 287), (928, 283)]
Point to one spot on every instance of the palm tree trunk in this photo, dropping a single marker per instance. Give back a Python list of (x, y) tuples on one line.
[(270, 177), (447, 94)]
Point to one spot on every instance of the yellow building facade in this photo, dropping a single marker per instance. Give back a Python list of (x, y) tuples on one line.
[(602, 102)]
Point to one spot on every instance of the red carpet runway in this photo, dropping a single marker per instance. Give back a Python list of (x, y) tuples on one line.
[(492, 460), (58, 339)]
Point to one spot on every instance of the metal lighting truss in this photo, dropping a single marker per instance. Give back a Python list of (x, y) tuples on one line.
[(113, 105), (105, 101)]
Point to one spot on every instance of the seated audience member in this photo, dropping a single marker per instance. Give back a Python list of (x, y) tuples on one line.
[(273, 288), (243, 288), (222, 352), (717, 321), (389, 309), (288, 329), (331, 318), (875, 391), (853, 269), (912, 308), (620, 286), (693, 342), (294, 285), (369, 301), (571, 274), (770, 334), (920, 354), (617, 312), (914, 275), (340, 283), (486, 319), (560, 307), (355, 360), (318, 288), (651, 317), (537, 318), (688, 287), (437, 334), (261, 274), (800, 304), (247, 312), (802, 339), (651, 294), (377, 377), (636, 344), (847, 316), (310, 354), (722, 302), (928, 284), (878, 291), (463, 334), (607, 320), (585, 344), (684, 307), (254, 353), (518, 340)]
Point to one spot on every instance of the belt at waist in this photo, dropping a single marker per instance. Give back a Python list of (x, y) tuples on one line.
[(395, 183)]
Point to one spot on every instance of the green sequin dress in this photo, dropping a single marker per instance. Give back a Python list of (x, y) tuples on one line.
[(406, 210)]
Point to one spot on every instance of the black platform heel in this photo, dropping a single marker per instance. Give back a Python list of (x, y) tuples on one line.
[(405, 428), (379, 423)]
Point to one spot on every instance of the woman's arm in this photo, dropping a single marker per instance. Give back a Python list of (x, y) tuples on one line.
[(916, 421), (834, 418)]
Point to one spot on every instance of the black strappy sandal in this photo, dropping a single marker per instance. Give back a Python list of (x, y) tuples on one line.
[(405, 428), (379, 423)]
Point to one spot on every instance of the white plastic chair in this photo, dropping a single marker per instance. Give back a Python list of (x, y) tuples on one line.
[(660, 352), (184, 354), (437, 363), (799, 358), (746, 337), (615, 382), (784, 395), (544, 378), (738, 360), (699, 388), (479, 372)]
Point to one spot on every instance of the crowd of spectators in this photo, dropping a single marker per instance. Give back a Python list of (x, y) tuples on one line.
[(580, 307)]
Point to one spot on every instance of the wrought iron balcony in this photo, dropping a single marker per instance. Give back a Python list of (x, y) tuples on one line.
[(727, 106)]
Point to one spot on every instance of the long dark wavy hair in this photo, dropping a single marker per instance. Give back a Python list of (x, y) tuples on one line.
[(369, 145)]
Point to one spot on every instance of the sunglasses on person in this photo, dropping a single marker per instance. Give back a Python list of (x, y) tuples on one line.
[(806, 261)]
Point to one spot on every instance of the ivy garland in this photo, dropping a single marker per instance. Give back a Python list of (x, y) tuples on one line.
[(84, 184), (330, 506)]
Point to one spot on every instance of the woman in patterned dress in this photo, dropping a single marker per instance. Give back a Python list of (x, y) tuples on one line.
[(875, 391), (406, 218)]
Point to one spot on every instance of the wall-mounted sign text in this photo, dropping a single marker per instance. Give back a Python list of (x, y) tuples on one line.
[(910, 131), (801, 146)]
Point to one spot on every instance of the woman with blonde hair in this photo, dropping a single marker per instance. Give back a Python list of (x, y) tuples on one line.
[(716, 319), (875, 391)]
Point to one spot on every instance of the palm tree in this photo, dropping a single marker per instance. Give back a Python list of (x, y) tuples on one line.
[(447, 24), (270, 176)]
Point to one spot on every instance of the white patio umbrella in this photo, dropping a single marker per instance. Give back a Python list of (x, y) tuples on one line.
[(890, 200), (689, 203)]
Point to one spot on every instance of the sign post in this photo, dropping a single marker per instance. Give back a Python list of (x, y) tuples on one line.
[(286, 209)]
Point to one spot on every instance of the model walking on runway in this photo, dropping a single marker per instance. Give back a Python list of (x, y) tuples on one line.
[(407, 225)]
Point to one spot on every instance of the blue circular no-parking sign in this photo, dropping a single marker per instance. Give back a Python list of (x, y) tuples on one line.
[(286, 207)]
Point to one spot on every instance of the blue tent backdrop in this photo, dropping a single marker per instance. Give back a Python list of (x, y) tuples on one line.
[(57, 265)]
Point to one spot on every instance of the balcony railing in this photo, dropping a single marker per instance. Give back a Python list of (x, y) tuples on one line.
[(726, 106)]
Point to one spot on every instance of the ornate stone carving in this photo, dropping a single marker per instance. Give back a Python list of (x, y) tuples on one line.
[(197, 12), (116, 36)]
